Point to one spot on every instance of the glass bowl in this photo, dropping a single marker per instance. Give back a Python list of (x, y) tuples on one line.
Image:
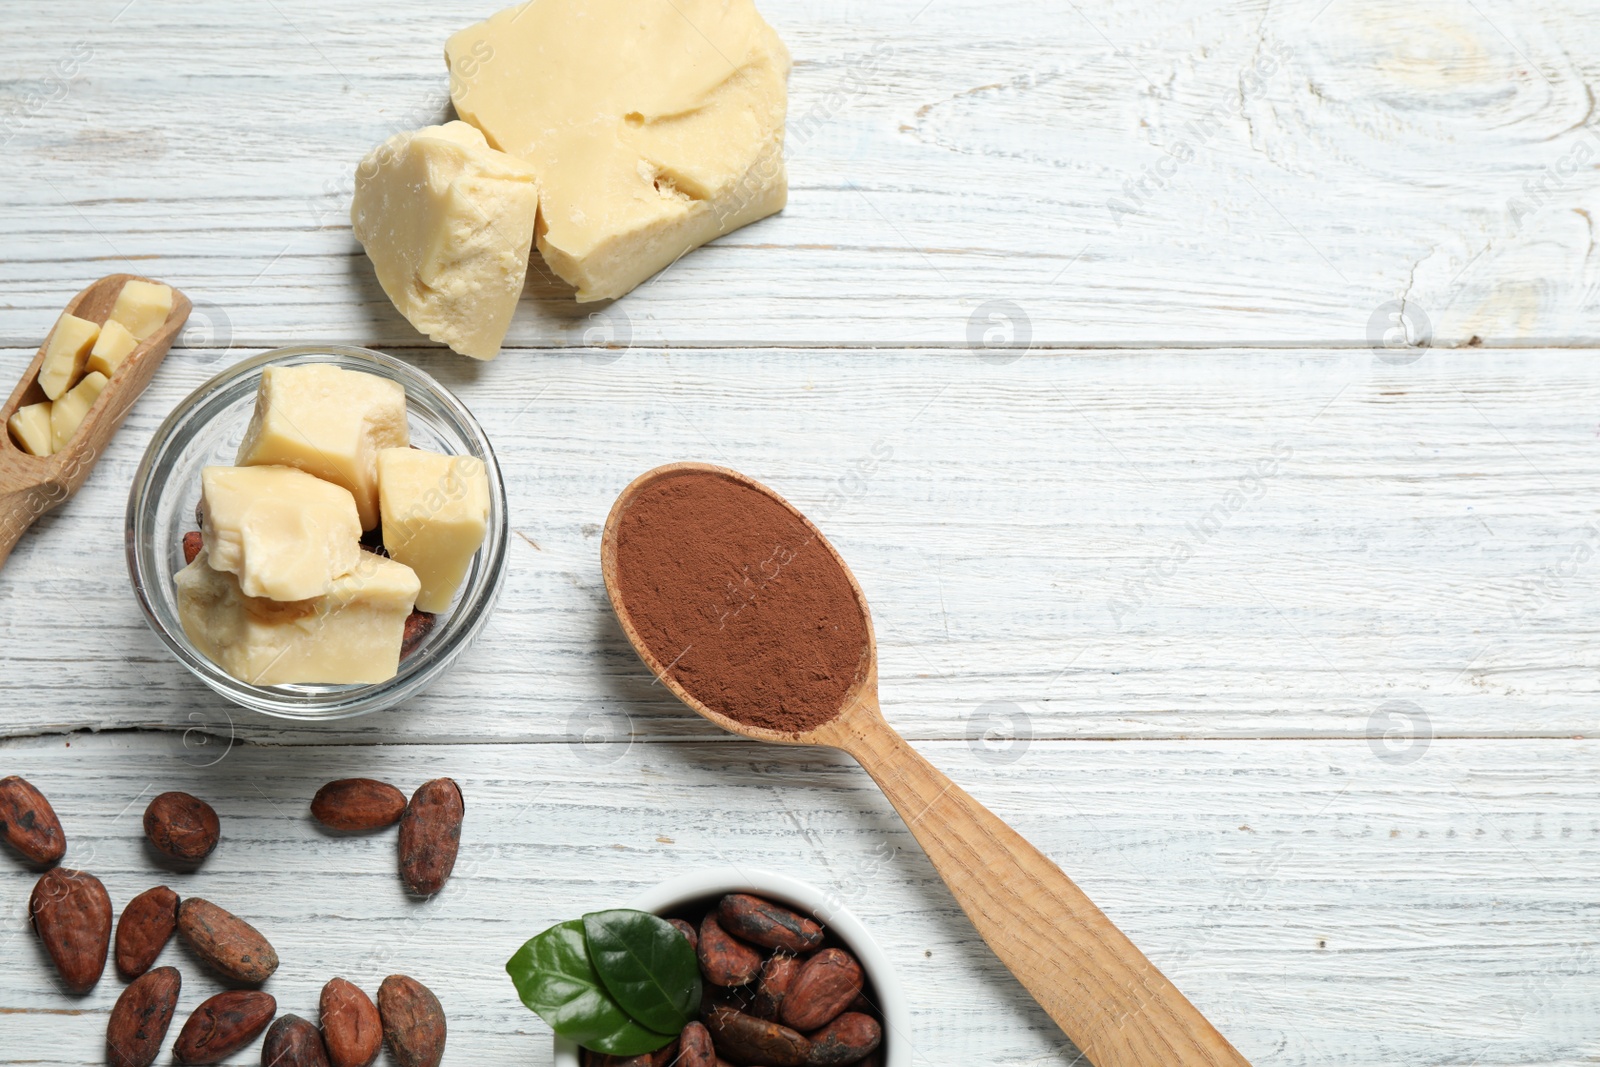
[(205, 430)]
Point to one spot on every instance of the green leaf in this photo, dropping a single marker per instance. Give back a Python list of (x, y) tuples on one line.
[(646, 965), (554, 977)]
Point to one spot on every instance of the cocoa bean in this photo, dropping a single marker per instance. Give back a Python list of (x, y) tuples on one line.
[(139, 1021), (696, 1047), (193, 542), (777, 976), (223, 1025), (723, 960), (358, 804), (182, 826), (850, 1038), (413, 1021), (226, 942), (350, 1025), (430, 834), (293, 1042), (744, 1039), (28, 822), (666, 1055), (418, 626), (146, 925), (71, 912), (825, 986), (763, 923), (688, 931)]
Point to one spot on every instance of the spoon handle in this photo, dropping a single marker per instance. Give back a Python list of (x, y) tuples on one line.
[(1115, 1005)]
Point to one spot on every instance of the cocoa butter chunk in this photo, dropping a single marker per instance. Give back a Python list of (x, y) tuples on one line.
[(850, 1038), (231, 946), (146, 925), (724, 961), (293, 1042), (763, 923), (139, 1021), (826, 985), (430, 836), (413, 1022), (28, 823), (356, 804), (745, 1039), (71, 913), (182, 826), (223, 1025)]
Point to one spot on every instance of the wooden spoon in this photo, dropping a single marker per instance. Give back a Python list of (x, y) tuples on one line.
[(1114, 1004), (32, 485)]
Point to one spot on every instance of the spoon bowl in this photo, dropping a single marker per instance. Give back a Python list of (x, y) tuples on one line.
[(1115, 1005), (31, 485)]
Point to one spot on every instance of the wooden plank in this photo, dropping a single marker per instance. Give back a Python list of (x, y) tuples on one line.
[(1154, 544), (1150, 173), (1320, 904)]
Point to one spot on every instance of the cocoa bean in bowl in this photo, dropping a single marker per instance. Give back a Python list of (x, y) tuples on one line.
[(815, 990)]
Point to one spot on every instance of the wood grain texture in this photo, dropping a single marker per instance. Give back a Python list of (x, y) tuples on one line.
[(1134, 173), (1155, 544), (1286, 654), (1322, 905)]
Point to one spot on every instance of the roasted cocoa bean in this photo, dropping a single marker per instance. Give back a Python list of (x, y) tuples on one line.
[(358, 804), (413, 1021), (696, 1047), (763, 923), (777, 976), (293, 1042), (230, 945), (430, 834), (71, 912), (146, 925), (140, 1018), (688, 931), (418, 625), (746, 1040), (182, 826), (193, 542), (223, 1025), (825, 986), (351, 1028), (28, 822), (723, 960), (850, 1038)]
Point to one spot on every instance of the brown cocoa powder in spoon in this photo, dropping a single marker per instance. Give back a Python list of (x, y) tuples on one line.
[(740, 602)]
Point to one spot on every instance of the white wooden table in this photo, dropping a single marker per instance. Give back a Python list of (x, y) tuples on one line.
[(1283, 645)]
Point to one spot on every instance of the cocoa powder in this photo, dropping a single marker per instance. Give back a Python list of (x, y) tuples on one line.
[(743, 604)]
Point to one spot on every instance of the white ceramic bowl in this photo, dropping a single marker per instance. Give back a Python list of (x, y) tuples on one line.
[(708, 886)]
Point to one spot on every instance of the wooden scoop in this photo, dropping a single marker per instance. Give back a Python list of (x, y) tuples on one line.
[(32, 485), (1114, 1004)]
